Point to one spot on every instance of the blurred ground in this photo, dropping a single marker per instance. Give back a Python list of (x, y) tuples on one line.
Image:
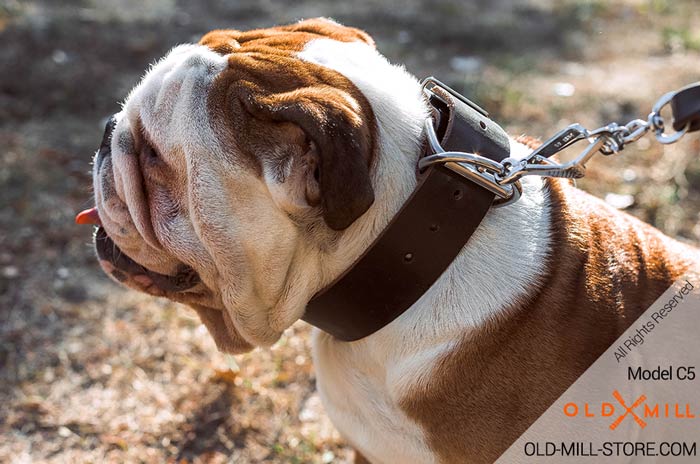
[(92, 373)]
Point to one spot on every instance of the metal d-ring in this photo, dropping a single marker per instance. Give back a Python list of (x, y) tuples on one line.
[(656, 121), (478, 169)]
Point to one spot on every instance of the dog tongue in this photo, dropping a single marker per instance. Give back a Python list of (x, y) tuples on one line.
[(89, 216)]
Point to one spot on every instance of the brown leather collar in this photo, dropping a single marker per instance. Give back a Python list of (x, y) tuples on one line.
[(424, 237)]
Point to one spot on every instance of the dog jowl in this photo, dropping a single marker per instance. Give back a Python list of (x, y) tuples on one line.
[(228, 179)]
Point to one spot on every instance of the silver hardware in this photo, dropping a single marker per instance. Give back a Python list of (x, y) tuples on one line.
[(544, 167), (637, 129), (479, 161), (478, 169), (503, 179), (657, 123), (430, 82), (561, 140)]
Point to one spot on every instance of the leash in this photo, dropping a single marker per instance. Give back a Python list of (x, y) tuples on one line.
[(503, 178), (465, 170)]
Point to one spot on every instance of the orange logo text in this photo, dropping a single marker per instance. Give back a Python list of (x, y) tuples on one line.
[(640, 410)]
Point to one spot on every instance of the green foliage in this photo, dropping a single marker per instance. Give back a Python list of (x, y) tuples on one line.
[(680, 38)]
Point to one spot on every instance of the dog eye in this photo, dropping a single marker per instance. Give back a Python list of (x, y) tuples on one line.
[(150, 153), (150, 156)]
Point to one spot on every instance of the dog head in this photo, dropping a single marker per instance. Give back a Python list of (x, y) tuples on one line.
[(246, 172)]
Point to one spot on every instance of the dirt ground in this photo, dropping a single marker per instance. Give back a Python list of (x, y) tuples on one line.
[(90, 372)]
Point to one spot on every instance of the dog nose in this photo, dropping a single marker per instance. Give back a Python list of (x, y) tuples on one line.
[(91, 216), (105, 147), (109, 128)]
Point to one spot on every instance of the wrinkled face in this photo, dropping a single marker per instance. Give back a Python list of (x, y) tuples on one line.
[(234, 171)]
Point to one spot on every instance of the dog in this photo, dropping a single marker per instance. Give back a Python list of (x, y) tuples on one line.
[(247, 172)]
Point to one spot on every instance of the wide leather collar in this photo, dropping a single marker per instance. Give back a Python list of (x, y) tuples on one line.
[(423, 238)]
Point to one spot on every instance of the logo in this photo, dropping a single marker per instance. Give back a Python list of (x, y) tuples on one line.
[(640, 410), (628, 410)]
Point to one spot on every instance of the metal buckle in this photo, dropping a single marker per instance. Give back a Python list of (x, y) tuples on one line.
[(429, 82), (478, 169)]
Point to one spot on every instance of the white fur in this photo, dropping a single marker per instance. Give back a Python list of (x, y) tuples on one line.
[(171, 102), (362, 383), (226, 228), (233, 232)]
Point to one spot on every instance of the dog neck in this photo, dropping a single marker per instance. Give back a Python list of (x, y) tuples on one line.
[(502, 261), (501, 264)]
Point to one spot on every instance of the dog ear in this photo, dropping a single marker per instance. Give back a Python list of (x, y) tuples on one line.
[(341, 135)]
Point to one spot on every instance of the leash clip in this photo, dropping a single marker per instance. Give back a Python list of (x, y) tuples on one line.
[(537, 164), (608, 140)]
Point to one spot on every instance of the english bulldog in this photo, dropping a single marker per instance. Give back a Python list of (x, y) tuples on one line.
[(246, 172)]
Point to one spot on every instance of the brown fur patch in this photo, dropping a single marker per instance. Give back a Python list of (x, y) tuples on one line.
[(605, 269), (528, 141), (360, 459), (289, 38), (267, 91)]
